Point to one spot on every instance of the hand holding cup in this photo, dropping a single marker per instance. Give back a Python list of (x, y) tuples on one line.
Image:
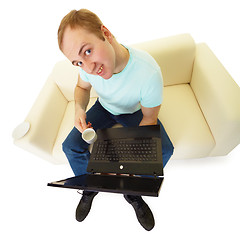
[(89, 135)]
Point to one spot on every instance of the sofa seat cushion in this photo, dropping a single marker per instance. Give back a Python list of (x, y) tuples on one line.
[(180, 115), (185, 124)]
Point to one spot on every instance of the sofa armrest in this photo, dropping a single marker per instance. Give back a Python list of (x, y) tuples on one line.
[(45, 118), (218, 96)]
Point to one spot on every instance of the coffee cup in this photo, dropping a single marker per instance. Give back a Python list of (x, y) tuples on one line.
[(89, 135)]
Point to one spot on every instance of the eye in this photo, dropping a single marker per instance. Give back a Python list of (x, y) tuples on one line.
[(79, 64), (87, 52)]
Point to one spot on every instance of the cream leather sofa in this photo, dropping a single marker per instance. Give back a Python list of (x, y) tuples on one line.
[(200, 110)]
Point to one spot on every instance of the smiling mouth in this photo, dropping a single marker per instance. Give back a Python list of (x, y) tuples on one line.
[(100, 70)]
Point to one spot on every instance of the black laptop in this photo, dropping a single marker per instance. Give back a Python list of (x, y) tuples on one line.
[(125, 160)]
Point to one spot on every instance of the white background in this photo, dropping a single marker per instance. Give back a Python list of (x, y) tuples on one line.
[(199, 198)]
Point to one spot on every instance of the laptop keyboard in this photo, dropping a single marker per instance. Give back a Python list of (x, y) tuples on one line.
[(126, 150)]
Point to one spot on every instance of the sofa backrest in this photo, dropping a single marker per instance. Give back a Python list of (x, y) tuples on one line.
[(175, 55), (65, 75)]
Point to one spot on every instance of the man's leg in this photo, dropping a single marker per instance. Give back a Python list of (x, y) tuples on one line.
[(167, 146), (76, 150), (142, 210)]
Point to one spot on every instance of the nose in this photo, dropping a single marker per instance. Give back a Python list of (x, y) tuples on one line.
[(89, 67)]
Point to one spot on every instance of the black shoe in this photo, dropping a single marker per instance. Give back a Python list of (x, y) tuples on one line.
[(84, 205), (143, 212)]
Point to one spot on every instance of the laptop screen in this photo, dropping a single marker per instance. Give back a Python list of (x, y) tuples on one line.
[(113, 183)]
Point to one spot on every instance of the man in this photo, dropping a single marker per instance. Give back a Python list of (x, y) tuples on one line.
[(129, 86)]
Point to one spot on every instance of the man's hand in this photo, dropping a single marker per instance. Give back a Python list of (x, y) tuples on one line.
[(80, 120), (150, 115), (81, 97)]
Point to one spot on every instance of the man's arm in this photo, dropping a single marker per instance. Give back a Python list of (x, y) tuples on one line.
[(81, 97), (150, 115)]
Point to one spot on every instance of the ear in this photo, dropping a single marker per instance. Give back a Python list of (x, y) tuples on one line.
[(106, 33)]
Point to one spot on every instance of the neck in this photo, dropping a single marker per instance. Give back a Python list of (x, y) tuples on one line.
[(122, 57)]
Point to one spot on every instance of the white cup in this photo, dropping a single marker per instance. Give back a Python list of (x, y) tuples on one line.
[(89, 135)]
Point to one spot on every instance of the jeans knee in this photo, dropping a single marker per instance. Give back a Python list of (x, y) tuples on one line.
[(167, 154), (66, 147), (69, 146), (171, 150)]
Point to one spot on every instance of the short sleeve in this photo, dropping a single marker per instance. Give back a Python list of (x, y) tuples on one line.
[(152, 91)]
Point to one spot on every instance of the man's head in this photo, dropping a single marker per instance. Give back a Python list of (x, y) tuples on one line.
[(84, 19), (87, 43)]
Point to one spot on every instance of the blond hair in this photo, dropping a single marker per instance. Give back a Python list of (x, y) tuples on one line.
[(81, 18)]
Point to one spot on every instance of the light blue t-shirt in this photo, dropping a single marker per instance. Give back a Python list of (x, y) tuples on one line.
[(140, 82)]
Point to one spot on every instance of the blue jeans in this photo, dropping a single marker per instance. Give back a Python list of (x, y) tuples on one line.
[(76, 149)]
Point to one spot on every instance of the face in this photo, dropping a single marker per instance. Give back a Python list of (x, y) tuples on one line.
[(92, 54)]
